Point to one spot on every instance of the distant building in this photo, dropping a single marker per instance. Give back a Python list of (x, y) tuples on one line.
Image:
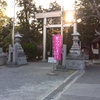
[(96, 48)]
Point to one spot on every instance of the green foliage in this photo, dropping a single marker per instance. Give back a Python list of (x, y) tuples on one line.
[(5, 35), (30, 51), (6, 42)]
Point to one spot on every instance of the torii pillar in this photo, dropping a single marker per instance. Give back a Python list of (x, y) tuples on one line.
[(44, 39)]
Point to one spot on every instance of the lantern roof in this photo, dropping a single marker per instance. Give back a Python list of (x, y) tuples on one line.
[(17, 35), (76, 33)]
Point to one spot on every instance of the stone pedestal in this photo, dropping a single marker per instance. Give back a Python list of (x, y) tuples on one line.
[(75, 60), (20, 55), (75, 63)]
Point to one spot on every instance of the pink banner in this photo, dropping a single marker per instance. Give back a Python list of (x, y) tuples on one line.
[(57, 39)]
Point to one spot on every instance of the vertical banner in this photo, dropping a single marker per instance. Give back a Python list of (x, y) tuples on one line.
[(57, 44)]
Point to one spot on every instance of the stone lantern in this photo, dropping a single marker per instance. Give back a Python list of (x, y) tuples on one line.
[(75, 49), (17, 56), (75, 59)]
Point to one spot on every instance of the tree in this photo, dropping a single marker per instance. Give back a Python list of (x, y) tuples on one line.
[(3, 18), (24, 16), (3, 22), (29, 26), (27, 21), (88, 11), (6, 35)]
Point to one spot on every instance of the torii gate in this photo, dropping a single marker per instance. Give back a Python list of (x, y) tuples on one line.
[(45, 16)]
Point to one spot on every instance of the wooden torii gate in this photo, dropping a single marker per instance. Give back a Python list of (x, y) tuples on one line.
[(45, 16)]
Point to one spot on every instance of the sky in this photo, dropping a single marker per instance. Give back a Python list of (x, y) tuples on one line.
[(67, 4)]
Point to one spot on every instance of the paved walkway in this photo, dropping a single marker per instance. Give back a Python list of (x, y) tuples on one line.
[(30, 82), (86, 87)]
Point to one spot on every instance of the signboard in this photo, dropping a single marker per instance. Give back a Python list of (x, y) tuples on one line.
[(51, 60), (95, 51), (57, 39)]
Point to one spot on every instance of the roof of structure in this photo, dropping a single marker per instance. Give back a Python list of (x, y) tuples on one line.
[(96, 39)]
